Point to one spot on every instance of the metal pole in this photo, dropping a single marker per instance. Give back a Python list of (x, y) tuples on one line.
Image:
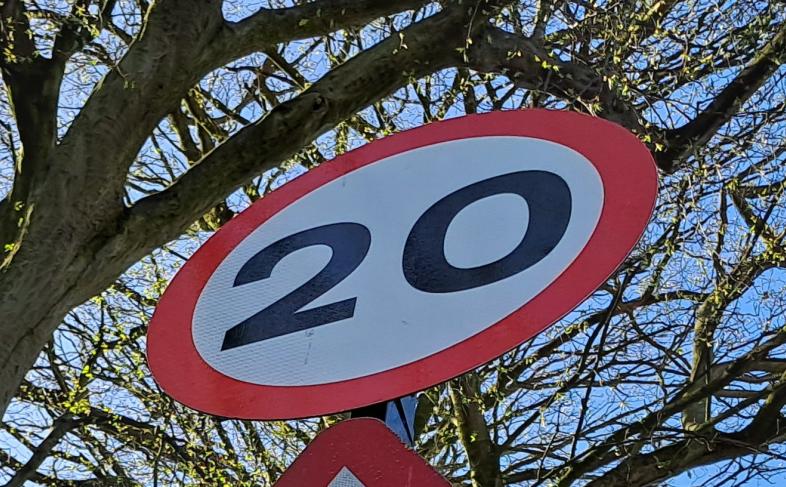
[(398, 415)]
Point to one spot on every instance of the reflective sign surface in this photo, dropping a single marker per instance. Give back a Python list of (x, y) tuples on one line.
[(402, 264)]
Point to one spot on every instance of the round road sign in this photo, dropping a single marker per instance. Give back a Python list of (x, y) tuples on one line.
[(401, 264)]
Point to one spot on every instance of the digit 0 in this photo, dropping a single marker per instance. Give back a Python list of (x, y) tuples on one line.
[(424, 263)]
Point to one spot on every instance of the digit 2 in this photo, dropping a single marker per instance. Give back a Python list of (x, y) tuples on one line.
[(349, 243)]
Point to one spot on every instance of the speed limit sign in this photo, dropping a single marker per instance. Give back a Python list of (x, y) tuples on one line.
[(401, 264)]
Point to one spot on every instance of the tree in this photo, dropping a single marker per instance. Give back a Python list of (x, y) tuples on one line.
[(133, 129)]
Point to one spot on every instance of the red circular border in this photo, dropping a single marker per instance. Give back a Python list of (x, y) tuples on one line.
[(629, 179)]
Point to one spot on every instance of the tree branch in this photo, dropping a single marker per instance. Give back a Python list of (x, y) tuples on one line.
[(608, 450), (482, 452), (60, 428), (153, 77), (269, 27), (699, 131), (530, 65), (286, 129)]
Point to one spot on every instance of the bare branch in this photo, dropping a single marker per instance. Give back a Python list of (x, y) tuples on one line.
[(683, 140)]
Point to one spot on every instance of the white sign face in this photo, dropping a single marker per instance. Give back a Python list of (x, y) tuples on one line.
[(401, 264), (394, 322), (345, 478)]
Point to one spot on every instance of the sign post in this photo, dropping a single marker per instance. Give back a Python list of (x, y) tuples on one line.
[(398, 414)]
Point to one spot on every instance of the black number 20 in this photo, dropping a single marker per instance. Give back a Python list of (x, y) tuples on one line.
[(424, 263)]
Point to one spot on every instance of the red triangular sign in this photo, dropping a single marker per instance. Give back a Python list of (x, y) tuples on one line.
[(359, 453)]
